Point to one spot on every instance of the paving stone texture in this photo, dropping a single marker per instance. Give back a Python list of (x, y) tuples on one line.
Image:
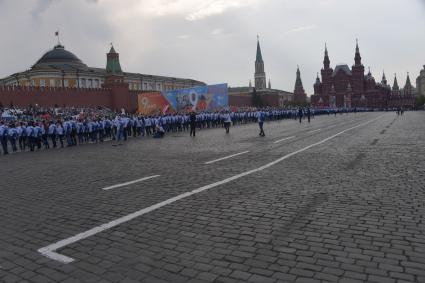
[(348, 210)]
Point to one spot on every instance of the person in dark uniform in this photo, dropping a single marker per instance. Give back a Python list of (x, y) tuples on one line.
[(300, 114), (192, 120), (308, 114)]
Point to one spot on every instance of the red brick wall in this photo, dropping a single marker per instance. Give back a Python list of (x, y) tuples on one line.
[(48, 97), (270, 99), (240, 100)]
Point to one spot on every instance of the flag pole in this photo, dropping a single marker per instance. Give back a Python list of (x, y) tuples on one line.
[(57, 35)]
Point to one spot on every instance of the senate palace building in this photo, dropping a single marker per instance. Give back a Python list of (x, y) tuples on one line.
[(61, 68)]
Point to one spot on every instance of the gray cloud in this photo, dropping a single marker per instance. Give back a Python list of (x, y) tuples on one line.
[(41, 6)]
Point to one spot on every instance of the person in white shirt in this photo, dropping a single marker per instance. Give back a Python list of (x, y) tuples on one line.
[(159, 132), (261, 117), (227, 120), (60, 132)]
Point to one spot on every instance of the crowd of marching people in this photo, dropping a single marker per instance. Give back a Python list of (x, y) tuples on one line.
[(36, 129)]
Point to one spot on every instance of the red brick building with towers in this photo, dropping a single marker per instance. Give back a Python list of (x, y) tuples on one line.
[(343, 87)]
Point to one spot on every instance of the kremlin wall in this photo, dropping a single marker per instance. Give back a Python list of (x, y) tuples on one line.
[(113, 97)]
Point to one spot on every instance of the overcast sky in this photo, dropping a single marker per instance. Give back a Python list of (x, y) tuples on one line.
[(215, 40)]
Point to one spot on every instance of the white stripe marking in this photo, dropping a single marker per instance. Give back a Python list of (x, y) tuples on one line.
[(314, 131), (288, 138), (50, 251), (332, 126), (227, 157), (129, 183)]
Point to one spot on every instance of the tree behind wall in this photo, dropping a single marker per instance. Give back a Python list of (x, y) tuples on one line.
[(420, 101), (256, 99)]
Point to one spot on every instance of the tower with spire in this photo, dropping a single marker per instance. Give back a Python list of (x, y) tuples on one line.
[(326, 73), (114, 80), (396, 88), (358, 72), (408, 89), (384, 79), (357, 57), (260, 76), (299, 93), (318, 85), (114, 72)]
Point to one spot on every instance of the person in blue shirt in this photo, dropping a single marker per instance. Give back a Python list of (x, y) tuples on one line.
[(13, 136), (101, 129), (30, 136), (38, 132), (44, 134), (261, 117), (159, 132), (227, 120), (73, 133), (52, 133), (3, 137), (60, 132), (22, 136), (120, 129), (308, 114)]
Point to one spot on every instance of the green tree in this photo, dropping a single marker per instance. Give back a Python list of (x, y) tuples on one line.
[(420, 101), (256, 99)]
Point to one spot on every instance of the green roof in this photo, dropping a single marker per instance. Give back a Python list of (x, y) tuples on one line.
[(113, 66), (113, 62)]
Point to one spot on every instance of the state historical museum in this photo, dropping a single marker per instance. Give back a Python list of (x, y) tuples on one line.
[(343, 87)]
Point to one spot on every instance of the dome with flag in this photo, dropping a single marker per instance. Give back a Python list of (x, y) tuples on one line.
[(58, 56)]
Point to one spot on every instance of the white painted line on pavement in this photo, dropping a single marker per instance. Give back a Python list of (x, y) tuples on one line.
[(130, 183), (332, 126), (285, 139), (227, 157), (50, 250), (314, 131)]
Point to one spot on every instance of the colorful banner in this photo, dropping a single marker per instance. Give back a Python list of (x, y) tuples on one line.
[(152, 103), (202, 98)]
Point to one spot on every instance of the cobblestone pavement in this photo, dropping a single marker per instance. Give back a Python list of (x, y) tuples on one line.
[(347, 209)]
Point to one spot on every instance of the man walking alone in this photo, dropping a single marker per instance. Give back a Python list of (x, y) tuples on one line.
[(192, 120), (300, 114), (308, 114), (261, 118)]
